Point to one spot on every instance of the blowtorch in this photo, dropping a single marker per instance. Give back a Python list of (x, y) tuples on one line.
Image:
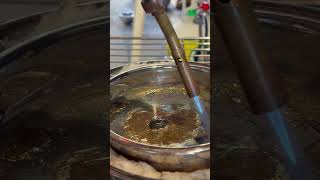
[(241, 35), (157, 9)]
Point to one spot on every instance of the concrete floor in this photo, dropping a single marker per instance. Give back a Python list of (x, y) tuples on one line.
[(118, 28)]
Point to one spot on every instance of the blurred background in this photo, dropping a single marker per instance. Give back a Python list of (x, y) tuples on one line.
[(53, 114)]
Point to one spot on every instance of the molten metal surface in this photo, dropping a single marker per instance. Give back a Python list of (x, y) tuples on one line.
[(156, 116)]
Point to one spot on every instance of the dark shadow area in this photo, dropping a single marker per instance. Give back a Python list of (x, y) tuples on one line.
[(53, 96)]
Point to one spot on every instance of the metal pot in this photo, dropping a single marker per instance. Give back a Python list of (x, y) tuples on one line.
[(159, 74)]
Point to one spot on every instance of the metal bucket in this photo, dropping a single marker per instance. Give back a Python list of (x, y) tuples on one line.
[(141, 86)]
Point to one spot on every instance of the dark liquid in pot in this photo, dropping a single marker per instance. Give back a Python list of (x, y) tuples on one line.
[(178, 127), (156, 116)]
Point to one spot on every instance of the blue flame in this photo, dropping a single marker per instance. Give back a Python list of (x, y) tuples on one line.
[(198, 104), (277, 121), (204, 117)]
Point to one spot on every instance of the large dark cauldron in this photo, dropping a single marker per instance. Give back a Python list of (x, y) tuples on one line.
[(52, 95)]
